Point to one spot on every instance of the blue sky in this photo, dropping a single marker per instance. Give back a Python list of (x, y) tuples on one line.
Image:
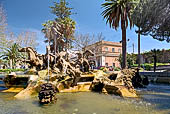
[(30, 14)]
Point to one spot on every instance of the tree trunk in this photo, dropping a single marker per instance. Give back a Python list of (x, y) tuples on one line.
[(124, 62), (139, 58)]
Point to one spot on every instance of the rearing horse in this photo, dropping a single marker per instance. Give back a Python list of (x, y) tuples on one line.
[(34, 59)]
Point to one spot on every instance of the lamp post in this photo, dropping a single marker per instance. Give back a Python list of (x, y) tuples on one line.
[(126, 41), (133, 45), (139, 55), (155, 59)]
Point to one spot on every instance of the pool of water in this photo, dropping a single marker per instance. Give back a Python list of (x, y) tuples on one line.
[(158, 95), (2, 86), (155, 99)]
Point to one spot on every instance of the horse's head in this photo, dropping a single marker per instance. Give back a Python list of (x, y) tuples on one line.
[(22, 49), (88, 53), (32, 54), (27, 49)]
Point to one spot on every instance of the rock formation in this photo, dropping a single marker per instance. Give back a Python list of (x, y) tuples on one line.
[(118, 83)]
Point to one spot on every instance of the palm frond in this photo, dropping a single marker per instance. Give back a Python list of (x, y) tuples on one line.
[(114, 10)]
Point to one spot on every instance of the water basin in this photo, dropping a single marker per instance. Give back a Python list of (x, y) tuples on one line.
[(152, 101)]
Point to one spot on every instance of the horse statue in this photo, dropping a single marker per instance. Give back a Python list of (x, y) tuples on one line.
[(83, 61), (34, 59), (88, 53)]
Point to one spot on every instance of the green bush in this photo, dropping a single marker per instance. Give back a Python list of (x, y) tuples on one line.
[(101, 68), (135, 65), (145, 66), (116, 69), (148, 66), (11, 70)]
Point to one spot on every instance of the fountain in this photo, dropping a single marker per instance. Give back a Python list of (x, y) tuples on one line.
[(62, 75)]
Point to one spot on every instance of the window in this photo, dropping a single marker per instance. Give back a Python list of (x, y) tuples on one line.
[(106, 48), (113, 64), (113, 49), (98, 63), (119, 50), (106, 64)]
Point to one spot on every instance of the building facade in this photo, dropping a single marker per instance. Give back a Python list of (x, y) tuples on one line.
[(106, 53)]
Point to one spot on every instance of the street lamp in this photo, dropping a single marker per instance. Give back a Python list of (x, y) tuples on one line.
[(126, 41)]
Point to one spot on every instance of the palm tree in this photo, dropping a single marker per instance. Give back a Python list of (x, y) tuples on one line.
[(139, 18), (119, 11), (11, 54), (68, 29)]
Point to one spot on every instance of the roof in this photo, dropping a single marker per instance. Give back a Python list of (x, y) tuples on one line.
[(107, 43), (111, 43)]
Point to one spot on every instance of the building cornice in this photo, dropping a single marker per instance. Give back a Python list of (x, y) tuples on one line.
[(106, 43)]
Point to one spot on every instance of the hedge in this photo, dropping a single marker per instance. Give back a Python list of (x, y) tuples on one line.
[(11, 70), (148, 66)]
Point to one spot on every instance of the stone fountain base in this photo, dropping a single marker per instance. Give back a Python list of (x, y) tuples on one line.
[(102, 82)]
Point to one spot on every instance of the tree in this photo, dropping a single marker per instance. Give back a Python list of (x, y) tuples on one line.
[(163, 56), (155, 20), (139, 18), (11, 54), (3, 22), (4, 41), (82, 41), (27, 39), (152, 18), (119, 11), (131, 58), (155, 58), (63, 13), (52, 33), (67, 25), (9, 42), (61, 10), (68, 29), (7, 38)]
